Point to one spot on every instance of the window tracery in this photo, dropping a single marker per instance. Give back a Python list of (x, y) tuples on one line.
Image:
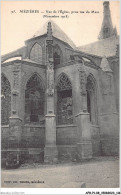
[(34, 100), (91, 99), (64, 101), (57, 55), (36, 53)]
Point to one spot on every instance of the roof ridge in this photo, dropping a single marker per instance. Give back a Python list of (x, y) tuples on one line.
[(56, 32)]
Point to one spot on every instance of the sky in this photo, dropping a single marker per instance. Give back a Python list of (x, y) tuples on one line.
[(82, 28)]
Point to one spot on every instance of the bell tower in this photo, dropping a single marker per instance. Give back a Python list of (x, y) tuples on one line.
[(107, 29)]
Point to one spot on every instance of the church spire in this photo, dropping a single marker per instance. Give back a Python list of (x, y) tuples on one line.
[(107, 29)]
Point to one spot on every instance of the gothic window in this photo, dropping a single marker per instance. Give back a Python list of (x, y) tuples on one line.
[(64, 101), (56, 58), (5, 100), (36, 53), (88, 104), (57, 55), (34, 100), (91, 98)]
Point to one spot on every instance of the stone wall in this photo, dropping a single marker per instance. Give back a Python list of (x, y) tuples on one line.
[(33, 136), (32, 143), (109, 145), (66, 135), (4, 137), (95, 136), (67, 152), (108, 117)]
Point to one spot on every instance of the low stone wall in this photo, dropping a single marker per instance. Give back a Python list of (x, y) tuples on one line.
[(109, 133), (4, 136), (109, 146), (66, 134), (66, 151), (32, 143), (33, 136), (31, 155)]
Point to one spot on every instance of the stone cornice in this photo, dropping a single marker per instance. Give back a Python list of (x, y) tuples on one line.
[(23, 62), (70, 63)]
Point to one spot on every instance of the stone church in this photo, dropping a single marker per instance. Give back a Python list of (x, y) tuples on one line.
[(59, 100)]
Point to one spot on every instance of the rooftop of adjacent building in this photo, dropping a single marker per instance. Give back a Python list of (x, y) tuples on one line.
[(108, 38), (102, 47), (106, 45), (56, 32)]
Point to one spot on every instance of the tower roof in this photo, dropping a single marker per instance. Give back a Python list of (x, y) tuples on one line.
[(56, 32), (107, 29), (108, 37)]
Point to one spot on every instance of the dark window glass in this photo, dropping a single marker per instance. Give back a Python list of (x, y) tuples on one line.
[(88, 104), (57, 55), (56, 59), (34, 100), (64, 101), (91, 99)]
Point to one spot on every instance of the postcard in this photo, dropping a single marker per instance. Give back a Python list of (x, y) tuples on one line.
[(60, 96)]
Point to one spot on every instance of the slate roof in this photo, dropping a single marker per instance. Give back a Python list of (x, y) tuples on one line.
[(105, 47), (57, 32)]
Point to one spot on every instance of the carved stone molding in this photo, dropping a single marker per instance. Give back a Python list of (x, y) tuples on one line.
[(50, 79), (16, 75), (82, 78), (15, 90)]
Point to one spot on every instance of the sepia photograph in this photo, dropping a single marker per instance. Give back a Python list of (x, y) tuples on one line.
[(60, 94)]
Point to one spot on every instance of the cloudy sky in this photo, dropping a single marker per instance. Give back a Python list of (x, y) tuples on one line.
[(82, 28)]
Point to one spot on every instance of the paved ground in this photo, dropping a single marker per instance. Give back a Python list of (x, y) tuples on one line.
[(98, 173)]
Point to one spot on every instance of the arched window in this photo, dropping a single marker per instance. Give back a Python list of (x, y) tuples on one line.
[(57, 55), (5, 100), (36, 53), (64, 101), (91, 99), (34, 100), (88, 104)]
